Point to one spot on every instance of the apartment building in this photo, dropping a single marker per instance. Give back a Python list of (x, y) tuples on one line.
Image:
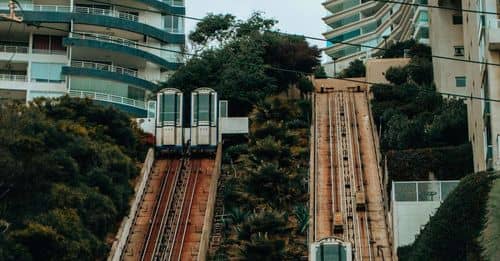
[(476, 37), (365, 24), (115, 52)]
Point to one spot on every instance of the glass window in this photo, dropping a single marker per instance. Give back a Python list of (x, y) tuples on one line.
[(204, 107), (47, 72), (428, 191), (223, 109), (173, 24), (48, 44), (447, 188), (405, 191), (424, 16), (168, 107), (459, 51), (136, 93), (457, 19), (460, 81)]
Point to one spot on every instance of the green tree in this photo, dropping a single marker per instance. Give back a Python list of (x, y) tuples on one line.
[(356, 68), (490, 236), (396, 75)]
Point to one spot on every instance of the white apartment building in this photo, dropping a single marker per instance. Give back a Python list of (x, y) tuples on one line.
[(103, 50), (366, 24), (475, 37)]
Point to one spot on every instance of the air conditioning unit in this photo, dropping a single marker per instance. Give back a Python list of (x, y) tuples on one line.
[(459, 51)]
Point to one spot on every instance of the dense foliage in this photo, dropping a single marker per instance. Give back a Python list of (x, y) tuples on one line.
[(266, 188), (453, 232), (244, 61), (65, 178), (415, 116), (445, 163), (490, 238), (356, 68)]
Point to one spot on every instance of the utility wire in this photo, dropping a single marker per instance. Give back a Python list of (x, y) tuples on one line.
[(267, 66), (316, 38), (339, 42), (438, 7)]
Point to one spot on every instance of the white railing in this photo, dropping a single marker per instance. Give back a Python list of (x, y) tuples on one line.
[(174, 2), (104, 67), (106, 12), (13, 77), (105, 38), (13, 49), (78, 9), (108, 98), (43, 8)]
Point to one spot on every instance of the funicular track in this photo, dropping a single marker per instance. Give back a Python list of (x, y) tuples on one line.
[(340, 175)]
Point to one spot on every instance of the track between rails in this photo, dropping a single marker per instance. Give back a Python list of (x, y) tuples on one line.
[(347, 192), (176, 201)]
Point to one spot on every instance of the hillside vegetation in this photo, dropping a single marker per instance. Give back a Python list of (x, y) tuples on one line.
[(65, 178), (453, 232), (423, 133)]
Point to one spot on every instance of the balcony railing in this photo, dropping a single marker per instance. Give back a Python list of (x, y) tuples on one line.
[(13, 77), (106, 12), (105, 38), (174, 2), (78, 9), (104, 67), (108, 98), (13, 49), (43, 8)]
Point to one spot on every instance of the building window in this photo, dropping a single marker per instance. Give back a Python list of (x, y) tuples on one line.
[(457, 19), (173, 24), (460, 81), (48, 44), (47, 72), (459, 50)]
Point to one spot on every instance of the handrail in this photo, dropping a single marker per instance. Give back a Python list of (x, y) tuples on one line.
[(13, 77), (107, 12), (108, 98), (104, 67), (13, 49), (174, 2), (105, 38), (44, 8)]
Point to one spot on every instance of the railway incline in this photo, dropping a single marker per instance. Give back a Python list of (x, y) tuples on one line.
[(174, 211), (346, 188)]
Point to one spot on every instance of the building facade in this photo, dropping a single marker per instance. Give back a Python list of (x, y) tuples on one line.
[(365, 24), (476, 37), (115, 52)]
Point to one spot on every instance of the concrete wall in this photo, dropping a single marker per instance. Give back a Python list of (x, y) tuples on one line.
[(444, 36), (376, 68), (210, 211), (408, 219)]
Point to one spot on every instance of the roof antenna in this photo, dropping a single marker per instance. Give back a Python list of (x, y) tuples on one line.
[(12, 15)]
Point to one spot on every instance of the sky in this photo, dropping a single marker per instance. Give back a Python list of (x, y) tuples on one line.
[(294, 16)]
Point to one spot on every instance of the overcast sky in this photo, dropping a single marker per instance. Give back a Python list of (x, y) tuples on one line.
[(294, 16)]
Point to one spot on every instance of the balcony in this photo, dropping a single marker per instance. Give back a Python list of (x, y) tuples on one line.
[(106, 12), (107, 71), (494, 35), (13, 77), (105, 38), (126, 49), (108, 98), (98, 17), (13, 49), (104, 67)]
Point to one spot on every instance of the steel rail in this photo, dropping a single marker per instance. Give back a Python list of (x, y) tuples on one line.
[(197, 173)]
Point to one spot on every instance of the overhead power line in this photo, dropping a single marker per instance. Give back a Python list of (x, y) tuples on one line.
[(269, 67), (316, 38), (438, 7), (338, 42)]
